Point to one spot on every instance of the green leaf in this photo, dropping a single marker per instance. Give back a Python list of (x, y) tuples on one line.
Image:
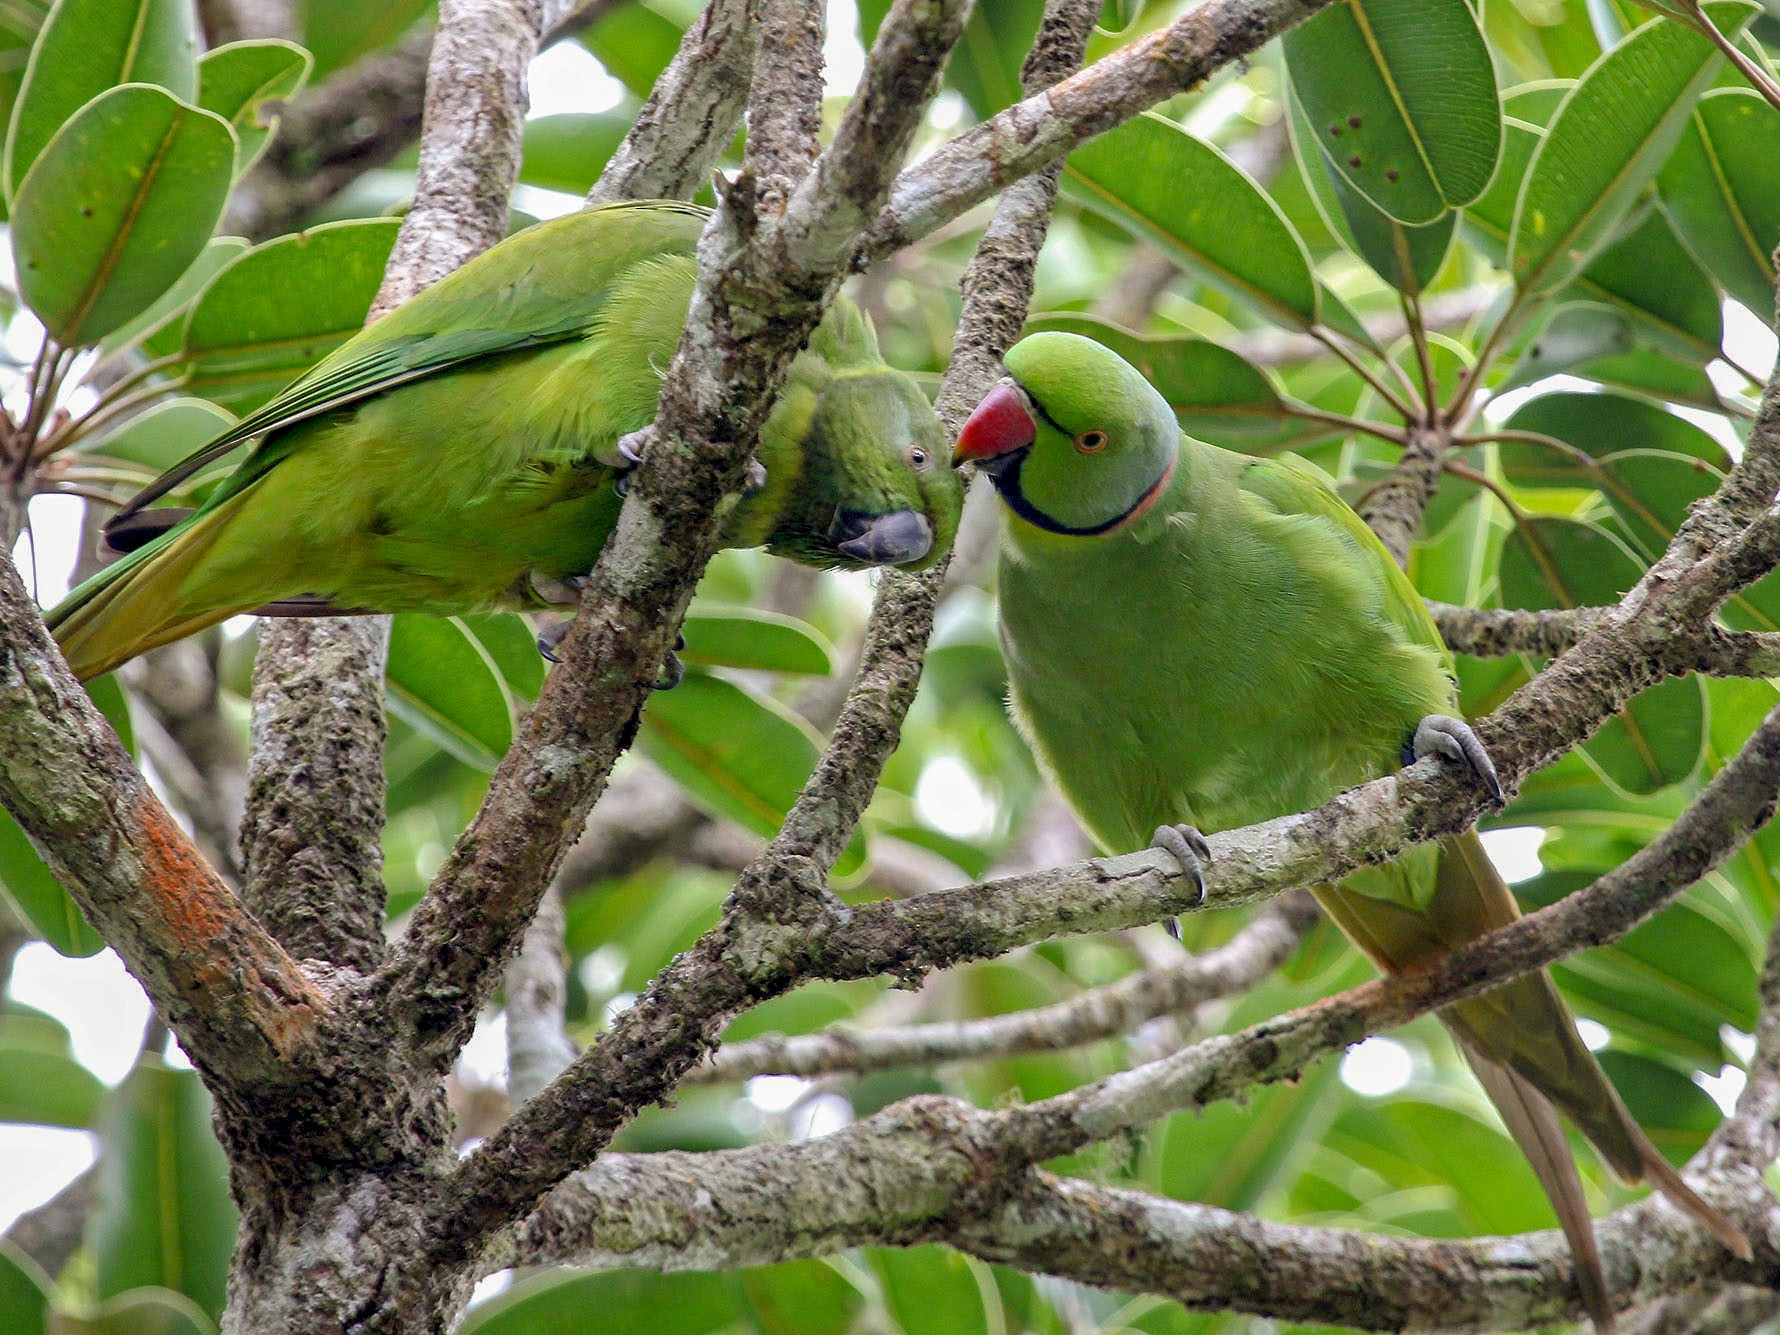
[(1597, 425), (1605, 145), (739, 755), (985, 66), (635, 42), (1719, 187), (1576, 335), (1651, 491), (445, 682), (157, 439), (568, 152), (1403, 98), (1405, 257), (1489, 220), (338, 32), (628, 1302), (163, 1214), (25, 1292), (281, 307), (158, 326), (45, 1088), (88, 46), (1548, 562), (238, 80), (1225, 228), (1648, 275), (144, 1311), (39, 897), (116, 208), (1217, 394), (744, 637), (1650, 372), (933, 1290)]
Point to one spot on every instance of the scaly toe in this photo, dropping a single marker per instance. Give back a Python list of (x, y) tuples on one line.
[(1186, 846), (1438, 734)]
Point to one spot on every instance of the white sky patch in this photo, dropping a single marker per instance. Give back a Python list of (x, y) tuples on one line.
[(1723, 1087), (45, 555), (1515, 851), (568, 78), (484, 1057), (776, 1093), (1377, 1067), (821, 1116), (40, 1161), (948, 798), (103, 1007), (843, 58), (1594, 1034), (1742, 1045)]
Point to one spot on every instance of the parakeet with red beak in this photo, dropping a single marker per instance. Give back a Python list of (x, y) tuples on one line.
[(467, 452), (1198, 640)]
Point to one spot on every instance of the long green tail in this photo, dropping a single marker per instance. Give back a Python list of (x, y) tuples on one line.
[(1523, 1045), (134, 605)]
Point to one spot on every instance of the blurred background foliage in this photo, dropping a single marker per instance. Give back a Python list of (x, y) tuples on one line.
[(1589, 304)]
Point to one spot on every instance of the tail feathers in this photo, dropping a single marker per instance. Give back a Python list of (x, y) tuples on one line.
[(1533, 1123), (1662, 1175), (136, 605)]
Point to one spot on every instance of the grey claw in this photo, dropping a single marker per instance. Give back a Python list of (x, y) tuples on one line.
[(551, 637), (633, 443), (1186, 846), (672, 671), (1439, 735), (755, 478)]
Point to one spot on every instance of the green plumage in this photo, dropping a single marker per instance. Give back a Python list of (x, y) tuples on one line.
[(463, 448), (1239, 646)]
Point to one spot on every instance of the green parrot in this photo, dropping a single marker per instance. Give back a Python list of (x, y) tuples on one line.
[(1196, 637), (468, 451)]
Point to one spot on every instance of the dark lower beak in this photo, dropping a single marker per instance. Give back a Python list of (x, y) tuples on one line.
[(893, 539)]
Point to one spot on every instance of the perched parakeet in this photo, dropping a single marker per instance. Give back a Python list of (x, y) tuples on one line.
[(1196, 637), (465, 452)]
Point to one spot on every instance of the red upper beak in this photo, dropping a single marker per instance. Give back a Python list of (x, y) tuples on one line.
[(1001, 424)]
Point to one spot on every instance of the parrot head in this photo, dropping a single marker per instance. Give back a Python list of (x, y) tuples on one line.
[(868, 483), (1073, 437)]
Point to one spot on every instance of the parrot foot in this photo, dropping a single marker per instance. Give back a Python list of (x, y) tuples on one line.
[(634, 444), (557, 592), (1438, 735), (672, 669), (551, 637), (1186, 846)]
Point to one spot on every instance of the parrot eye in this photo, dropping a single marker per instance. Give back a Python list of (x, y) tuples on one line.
[(1091, 442), (918, 457)]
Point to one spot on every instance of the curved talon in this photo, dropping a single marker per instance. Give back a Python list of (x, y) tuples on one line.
[(672, 671), (633, 444), (1186, 846), (755, 478), (1437, 734), (551, 637)]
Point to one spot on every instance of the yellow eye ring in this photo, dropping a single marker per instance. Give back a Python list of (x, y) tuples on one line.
[(1091, 442)]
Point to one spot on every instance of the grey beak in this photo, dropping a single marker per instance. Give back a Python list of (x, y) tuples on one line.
[(893, 539)]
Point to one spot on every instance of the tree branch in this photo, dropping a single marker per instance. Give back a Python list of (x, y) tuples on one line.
[(739, 341), (1023, 138), (691, 114), (1099, 1013), (241, 1007)]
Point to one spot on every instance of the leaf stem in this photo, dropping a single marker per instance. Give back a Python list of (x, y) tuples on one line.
[(1328, 338)]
